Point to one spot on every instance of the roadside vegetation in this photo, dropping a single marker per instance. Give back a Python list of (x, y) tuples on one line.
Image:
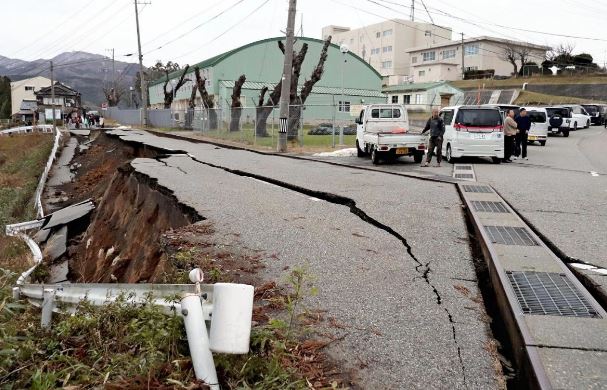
[(121, 346), (534, 98), (518, 82)]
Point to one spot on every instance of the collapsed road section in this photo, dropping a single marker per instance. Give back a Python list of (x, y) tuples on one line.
[(403, 310)]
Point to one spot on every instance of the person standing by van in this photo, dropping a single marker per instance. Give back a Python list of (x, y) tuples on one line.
[(523, 122), (436, 125), (510, 130)]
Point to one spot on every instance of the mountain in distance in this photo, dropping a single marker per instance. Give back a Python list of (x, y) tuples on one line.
[(87, 73)]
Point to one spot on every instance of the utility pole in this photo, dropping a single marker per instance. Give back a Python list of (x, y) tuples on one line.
[(53, 98), (113, 71), (463, 68), (285, 91), (144, 90), (413, 10)]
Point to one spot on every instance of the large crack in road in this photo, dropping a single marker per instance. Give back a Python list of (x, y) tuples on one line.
[(422, 269)]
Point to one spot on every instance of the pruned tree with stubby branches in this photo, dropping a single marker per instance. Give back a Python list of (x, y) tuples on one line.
[(207, 101), (236, 107), (169, 95)]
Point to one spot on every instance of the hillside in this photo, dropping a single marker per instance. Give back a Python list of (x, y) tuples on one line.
[(537, 80), (87, 72)]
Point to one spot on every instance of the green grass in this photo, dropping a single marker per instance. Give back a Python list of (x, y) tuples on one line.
[(534, 98)]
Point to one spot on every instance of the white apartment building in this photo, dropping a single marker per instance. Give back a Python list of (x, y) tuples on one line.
[(443, 61), (385, 45), (25, 90)]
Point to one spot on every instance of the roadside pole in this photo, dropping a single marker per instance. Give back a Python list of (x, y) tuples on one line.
[(144, 91), (463, 68), (285, 91), (53, 98)]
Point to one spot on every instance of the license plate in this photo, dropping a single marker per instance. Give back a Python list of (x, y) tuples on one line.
[(479, 136), (532, 138), (402, 150)]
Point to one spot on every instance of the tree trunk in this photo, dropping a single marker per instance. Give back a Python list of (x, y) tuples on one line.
[(207, 101), (189, 117), (264, 111), (170, 95), (236, 104)]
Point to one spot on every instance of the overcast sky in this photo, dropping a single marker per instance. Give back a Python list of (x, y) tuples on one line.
[(32, 29)]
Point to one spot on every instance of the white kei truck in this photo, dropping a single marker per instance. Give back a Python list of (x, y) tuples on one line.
[(383, 132)]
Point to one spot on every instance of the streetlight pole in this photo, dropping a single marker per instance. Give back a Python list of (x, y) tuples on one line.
[(53, 98), (342, 106), (285, 91)]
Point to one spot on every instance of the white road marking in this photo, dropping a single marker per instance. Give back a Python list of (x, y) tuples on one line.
[(314, 199), (593, 173)]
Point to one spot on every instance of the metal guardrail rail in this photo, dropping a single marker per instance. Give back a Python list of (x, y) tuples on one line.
[(27, 129)]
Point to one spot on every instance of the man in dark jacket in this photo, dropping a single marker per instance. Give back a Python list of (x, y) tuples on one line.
[(523, 123), (437, 129)]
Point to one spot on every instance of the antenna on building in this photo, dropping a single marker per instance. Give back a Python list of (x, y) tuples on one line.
[(413, 10)]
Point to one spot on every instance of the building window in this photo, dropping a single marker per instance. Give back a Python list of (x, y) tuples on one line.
[(421, 73), (448, 53), (386, 64), (414, 60), (387, 33), (395, 99), (375, 51), (387, 49), (471, 49), (428, 33), (29, 88), (344, 106), (429, 56), (406, 99), (377, 34), (419, 98)]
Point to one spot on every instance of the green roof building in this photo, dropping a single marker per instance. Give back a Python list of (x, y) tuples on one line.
[(262, 62)]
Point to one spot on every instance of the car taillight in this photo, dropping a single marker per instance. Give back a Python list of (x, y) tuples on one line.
[(498, 129), (458, 127), (421, 146)]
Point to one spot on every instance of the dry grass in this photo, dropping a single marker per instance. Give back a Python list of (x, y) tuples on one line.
[(540, 80), (534, 98), (22, 160)]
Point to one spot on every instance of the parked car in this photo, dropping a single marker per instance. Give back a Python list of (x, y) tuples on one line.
[(474, 131), (383, 132), (504, 108), (580, 119), (539, 125), (559, 120), (597, 112)]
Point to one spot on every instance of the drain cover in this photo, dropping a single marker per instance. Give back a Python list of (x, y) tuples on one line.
[(464, 176), (483, 189), (509, 235), (489, 207), (549, 293), (463, 167)]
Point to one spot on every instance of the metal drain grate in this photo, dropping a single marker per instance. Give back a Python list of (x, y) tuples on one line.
[(483, 189), (463, 167), (508, 235), (489, 207), (464, 176), (549, 293)]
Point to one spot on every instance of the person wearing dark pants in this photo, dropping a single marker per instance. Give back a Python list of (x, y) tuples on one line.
[(523, 123), (509, 134), (436, 125)]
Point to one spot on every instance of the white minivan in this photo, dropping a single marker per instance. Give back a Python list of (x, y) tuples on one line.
[(472, 131), (539, 124), (580, 119)]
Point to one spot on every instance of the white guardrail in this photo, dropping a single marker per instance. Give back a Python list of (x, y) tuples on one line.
[(27, 129), (42, 181), (228, 307)]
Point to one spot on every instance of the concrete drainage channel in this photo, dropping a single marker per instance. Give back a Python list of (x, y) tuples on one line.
[(555, 326)]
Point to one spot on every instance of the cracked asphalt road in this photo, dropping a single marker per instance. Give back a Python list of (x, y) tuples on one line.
[(407, 322)]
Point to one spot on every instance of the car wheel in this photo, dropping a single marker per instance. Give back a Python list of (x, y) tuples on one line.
[(449, 156), (374, 156), (543, 143), (418, 157), (574, 125), (496, 160), (359, 151), (565, 133), (588, 124)]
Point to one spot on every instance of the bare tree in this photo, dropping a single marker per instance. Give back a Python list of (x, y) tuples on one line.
[(207, 100), (169, 95), (113, 95), (510, 54), (236, 104)]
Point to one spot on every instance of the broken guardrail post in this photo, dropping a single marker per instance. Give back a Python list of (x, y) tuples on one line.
[(48, 298), (196, 330), (16, 293)]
